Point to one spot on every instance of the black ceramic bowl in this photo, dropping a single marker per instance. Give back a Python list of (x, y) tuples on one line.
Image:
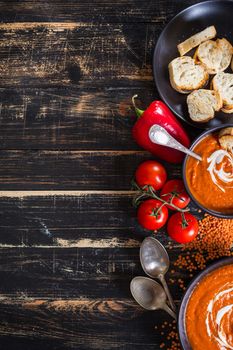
[(188, 22), (183, 307), (210, 211)]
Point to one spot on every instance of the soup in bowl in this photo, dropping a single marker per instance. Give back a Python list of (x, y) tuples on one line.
[(210, 182), (206, 314)]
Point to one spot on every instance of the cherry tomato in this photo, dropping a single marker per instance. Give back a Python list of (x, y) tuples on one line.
[(182, 231), (150, 216), (151, 173), (174, 192)]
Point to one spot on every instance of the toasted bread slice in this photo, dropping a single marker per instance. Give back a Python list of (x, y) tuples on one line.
[(223, 83), (227, 50), (214, 55), (202, 105), (226, 141), (225, 138), (226, 131), (228, 111), (196, 39), (209, 54), (186, 75)]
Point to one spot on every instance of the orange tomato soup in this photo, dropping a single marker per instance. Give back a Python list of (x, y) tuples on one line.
[(209, 314), (201, 185)]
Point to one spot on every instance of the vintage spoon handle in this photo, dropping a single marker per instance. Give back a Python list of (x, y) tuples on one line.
[(159, 135), (167, 291), (169, 311)]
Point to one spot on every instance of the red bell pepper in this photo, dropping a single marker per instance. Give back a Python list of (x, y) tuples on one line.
[(159, 113)]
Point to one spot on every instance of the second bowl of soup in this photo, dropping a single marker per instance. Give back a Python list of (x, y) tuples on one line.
[(210, 181)]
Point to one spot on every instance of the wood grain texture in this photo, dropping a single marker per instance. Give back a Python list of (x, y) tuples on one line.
[(88, 118), (52, 274), (66, 322), (122, 11), (94, 220), (72, 84), (61, 170), (69, 79), (90, 67), (73, 273), (69, 238), (56, 54)]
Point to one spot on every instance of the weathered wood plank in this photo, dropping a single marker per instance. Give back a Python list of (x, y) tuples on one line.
[(86, 219), (67, 256), (61, 170), (59, 118), (67, 273), (74, 273), (111, 324), (91, 11), (58, 54), (62, 95)]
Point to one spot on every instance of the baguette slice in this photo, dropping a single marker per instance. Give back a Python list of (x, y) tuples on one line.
[(226, 142), (226, 131), (202, 105), (186, 75), (214, 55), (228, 111), (225, 138), (196, 39), (227, 50), (223, 83)]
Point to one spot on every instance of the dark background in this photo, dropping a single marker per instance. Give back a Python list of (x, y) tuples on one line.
[(68, 235)]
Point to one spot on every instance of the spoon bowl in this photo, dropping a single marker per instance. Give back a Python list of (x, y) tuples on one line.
[(154, 258), (160, 136), (149, 294), (155, 262)]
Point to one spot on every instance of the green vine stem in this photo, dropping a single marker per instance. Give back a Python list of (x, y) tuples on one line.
[(148, 192), (184, 221)]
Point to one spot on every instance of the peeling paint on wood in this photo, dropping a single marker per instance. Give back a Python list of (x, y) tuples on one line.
[(83, 243), (100, 243), (57, 26)]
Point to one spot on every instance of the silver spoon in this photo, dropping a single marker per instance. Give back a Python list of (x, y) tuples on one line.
[(150, 294), (159, 135), (155, 263)]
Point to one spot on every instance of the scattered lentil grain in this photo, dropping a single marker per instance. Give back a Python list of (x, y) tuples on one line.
[(214, 241)]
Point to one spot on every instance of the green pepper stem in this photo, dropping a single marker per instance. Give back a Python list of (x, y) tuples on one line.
[(138, 111)]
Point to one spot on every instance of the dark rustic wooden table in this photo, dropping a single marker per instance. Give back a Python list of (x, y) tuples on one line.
[(68, 234)]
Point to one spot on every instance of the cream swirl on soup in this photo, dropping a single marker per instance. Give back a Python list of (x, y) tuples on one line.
[(209, 314)]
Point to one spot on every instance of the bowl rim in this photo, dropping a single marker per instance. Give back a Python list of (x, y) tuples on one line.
[(187, 295), (195, 142)]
